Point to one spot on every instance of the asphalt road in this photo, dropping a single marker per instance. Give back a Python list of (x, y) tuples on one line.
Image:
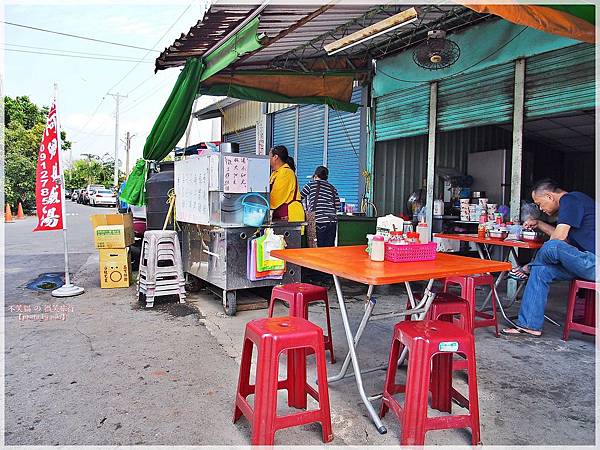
[(111, 372), (29, 254)]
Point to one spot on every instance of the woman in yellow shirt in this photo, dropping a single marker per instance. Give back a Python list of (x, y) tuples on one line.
[(285, 195)]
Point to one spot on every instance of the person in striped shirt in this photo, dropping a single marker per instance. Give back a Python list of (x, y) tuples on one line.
[(322, 197)]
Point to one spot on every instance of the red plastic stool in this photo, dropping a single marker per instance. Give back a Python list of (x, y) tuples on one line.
[(444, 306), (468, 284), (429, 340), (589, 316), (298, 296), (272, 337)]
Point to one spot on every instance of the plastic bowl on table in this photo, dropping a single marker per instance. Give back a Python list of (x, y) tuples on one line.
[(530, 236), (496, 234)]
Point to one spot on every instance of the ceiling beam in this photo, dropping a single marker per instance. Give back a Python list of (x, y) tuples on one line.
[(291, 29)]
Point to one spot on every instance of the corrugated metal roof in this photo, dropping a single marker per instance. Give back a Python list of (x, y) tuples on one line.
[(297, 33)]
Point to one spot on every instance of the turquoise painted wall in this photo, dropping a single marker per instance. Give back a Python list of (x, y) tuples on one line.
[(481, 46)]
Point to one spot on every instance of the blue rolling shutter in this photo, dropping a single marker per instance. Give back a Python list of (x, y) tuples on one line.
[(402, 113), (284, 129), (479, 98), (343, 150), (310, 141), (560, 81), (246, 138)]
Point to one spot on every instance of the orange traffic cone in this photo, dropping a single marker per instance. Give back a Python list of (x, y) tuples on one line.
[(20, 214), (8, 215)]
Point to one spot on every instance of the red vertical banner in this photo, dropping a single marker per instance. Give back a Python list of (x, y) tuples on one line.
[(48, 194)]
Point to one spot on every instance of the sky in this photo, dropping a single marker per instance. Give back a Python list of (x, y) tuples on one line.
[(86, 112)]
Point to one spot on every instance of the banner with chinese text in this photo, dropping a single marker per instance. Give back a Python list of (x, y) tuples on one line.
[(48, 193)]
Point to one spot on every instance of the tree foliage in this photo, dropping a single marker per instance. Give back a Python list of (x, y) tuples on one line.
[(92, 169), (24, 124)]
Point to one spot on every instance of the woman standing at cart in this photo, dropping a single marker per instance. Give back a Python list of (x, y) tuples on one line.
[(285, 195)]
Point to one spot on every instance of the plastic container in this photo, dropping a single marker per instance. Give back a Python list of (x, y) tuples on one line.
[(408, 253), (378, 248), (158, 186), (423, 230), (254, 213), (438, 208)]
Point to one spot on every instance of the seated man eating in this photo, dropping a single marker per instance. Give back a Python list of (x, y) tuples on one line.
[(570, 253)]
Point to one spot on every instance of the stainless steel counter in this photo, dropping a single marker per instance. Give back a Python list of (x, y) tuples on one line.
[(218, 255)]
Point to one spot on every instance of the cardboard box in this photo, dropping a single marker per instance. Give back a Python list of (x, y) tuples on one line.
[(115, 268), (113, 230)]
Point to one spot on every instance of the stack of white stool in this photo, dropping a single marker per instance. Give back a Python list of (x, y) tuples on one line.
[(161, 269)]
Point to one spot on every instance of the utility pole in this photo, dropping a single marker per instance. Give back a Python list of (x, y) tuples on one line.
[(127, 142), (117, 97)]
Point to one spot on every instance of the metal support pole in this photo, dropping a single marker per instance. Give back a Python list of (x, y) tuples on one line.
[(431, 155), (517, 141), (68, 289), (325, 133)]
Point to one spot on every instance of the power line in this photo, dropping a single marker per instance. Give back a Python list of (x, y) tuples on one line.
[(71, 51), (143, 82), (145, 97), (157, 42), (76, 36), (76, 56)]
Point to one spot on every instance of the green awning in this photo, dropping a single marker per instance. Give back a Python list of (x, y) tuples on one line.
[(261, 95)]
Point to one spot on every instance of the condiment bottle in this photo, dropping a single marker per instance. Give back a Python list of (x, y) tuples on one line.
[(378, 248), (413, 238), (423, 231), (481, 227), (396, 238)]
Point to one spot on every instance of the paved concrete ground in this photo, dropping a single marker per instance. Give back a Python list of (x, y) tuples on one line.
[(116, 373)]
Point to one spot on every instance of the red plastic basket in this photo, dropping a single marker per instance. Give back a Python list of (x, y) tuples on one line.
[(410, 252)]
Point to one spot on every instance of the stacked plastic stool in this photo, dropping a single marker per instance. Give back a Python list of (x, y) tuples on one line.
[(468, 285), (592, 291), (161, 269), (431, 345), (273, 336)]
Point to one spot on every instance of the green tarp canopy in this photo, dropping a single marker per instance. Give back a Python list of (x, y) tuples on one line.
[(174, 117), (200, 76)]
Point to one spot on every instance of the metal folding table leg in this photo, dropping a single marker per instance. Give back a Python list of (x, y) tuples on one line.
[(351, 349), (361, 327)]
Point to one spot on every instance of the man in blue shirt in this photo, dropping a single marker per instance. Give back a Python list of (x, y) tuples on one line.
[(570, 253)]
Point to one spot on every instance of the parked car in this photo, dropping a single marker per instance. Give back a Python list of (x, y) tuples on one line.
[(103, 197), (74, 195), (89, 190), (67, 193)]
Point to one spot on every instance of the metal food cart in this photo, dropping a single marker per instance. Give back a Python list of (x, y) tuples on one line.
[(211, 193)]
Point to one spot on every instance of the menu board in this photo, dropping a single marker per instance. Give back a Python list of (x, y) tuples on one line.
[(235, 174), (191, 190), (213, 183)]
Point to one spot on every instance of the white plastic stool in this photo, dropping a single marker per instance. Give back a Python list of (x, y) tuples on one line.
[(161, 269)]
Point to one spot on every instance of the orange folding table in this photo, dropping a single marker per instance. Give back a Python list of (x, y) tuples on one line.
[(483, 248), (353, 263)]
